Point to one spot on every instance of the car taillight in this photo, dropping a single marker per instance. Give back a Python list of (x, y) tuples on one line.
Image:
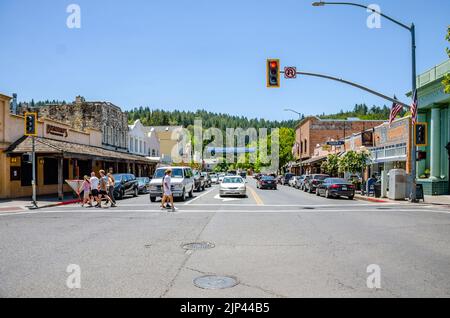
[(351, 186), (315, 182), (334, 186)]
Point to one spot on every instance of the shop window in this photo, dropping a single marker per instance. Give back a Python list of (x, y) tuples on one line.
[(51, 170)]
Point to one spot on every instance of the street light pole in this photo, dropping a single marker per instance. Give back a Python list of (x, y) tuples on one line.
[(412, 30), (300, 116)]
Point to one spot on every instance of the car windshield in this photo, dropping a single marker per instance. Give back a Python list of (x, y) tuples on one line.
[(176, 173), (233, 180), (336, 180), (117, 177), (321, 177)]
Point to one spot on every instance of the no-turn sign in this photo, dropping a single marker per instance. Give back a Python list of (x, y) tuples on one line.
[(290, 72)]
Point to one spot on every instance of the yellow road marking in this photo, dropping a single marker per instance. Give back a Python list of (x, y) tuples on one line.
[(257, 198)]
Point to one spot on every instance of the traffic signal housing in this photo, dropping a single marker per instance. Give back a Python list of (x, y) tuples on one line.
[(421, 134), (273, 73), (30, 124)]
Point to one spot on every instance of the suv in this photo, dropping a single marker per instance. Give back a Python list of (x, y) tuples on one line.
[(199, 181), (207, 177), (182, 183), (125, 184), (313, 182)]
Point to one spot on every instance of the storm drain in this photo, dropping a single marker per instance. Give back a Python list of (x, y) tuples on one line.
[(308, 208), (384, 208), (198, 246), (215, 282)]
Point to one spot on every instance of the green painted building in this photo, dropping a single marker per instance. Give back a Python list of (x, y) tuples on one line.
[(434, 109)]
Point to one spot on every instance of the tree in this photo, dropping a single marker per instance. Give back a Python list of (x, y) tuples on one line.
[(446, 81), (331, 165), (353, 162)]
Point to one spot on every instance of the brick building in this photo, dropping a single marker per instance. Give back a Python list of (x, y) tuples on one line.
[(313, 131)]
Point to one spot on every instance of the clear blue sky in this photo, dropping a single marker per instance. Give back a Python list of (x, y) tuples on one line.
[(178, 54)]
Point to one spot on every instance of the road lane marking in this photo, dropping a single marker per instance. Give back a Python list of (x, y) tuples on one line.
[(199, 196), (159, 211), (257, 198)]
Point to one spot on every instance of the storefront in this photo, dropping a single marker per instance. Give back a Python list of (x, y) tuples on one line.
[(434, 109)]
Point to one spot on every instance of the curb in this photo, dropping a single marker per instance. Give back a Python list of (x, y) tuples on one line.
[(55, 204), (362, 198)]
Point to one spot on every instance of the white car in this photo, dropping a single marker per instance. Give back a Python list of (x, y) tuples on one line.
[(221, 176), (214, 178), (234, 186), (182, 182), (293, 181)]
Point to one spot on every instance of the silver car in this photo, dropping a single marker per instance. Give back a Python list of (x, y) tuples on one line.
[(182, 183), (233, 186)]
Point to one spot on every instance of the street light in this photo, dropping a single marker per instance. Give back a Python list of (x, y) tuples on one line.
[(412, 30), (300, 117)]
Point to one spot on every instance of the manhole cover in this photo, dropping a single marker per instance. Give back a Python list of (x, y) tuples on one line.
[(215, 282), (198, 246)]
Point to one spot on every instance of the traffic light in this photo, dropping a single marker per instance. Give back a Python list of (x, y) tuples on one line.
[(30, 124), (421, 134), (273, 73)]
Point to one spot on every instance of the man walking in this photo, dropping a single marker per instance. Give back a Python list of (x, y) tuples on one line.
[(111, 185), (167, 190), (104, 188), (94, 189)]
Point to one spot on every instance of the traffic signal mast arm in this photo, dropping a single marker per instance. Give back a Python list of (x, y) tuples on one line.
[(354, 85)]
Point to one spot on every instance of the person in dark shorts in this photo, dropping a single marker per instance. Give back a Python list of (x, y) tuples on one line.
[(103, 185), (94, 189)]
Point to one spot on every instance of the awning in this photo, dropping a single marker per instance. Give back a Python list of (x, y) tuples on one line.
[(314, 160), (70, 149)]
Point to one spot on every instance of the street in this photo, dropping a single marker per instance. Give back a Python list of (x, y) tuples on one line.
[(283, 243)]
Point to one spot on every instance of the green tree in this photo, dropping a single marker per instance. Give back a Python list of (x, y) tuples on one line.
[(353, 162), (446, 81), (331, 165)]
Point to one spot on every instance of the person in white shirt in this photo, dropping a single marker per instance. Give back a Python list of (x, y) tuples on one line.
[(167, 190), (94, 189)]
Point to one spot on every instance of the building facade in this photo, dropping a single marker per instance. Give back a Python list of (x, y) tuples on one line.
[(143, 140), (82, 115), (62, 153), (434, 109)]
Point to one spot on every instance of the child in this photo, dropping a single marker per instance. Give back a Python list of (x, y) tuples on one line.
[(86, 189)]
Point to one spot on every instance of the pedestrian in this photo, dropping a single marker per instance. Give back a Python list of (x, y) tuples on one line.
[(94, 189), (167, 190), (111, 185), (86, 191), (103, 184)]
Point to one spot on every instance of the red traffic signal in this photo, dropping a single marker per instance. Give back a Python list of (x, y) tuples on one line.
[(273, 73)]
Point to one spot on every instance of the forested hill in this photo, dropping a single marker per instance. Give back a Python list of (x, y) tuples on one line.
[(158, 117), (362, 111)]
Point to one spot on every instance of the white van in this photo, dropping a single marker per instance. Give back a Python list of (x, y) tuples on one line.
[(182, 183)]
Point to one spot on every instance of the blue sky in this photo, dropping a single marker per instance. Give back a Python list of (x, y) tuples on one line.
[(177, 54)]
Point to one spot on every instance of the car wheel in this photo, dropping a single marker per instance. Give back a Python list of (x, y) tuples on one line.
[(152, 199), (203, 188), (183, 195), (121, 194), (136, 192), (191, 193), (327, 194), (351, 197), (318, 192)]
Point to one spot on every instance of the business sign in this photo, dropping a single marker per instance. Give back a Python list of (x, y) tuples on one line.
[(57, 131), (367, 138), (336, 143)]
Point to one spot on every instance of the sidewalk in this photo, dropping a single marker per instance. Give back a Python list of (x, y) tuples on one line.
[(429, 199), (24, 204)]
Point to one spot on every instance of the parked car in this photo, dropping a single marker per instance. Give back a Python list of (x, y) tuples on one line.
[(267, 182), (299, 182), (285, 179), (143, 185), (199, 181), (336, 187), (243, 174), (313, 182), (293, 181), (258, 176), (207, 177), (125, 184), (221, 176), (182, 183), (234, 186), (214, 178)]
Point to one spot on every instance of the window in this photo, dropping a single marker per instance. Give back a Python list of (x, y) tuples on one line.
[(50, 171), (306, 146), (136, 145), (153, 153)]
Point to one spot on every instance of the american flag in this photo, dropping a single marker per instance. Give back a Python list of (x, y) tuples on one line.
[(396, 108), (414, 108)]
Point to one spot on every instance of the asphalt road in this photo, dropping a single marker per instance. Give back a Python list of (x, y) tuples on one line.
[(283, 243)]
